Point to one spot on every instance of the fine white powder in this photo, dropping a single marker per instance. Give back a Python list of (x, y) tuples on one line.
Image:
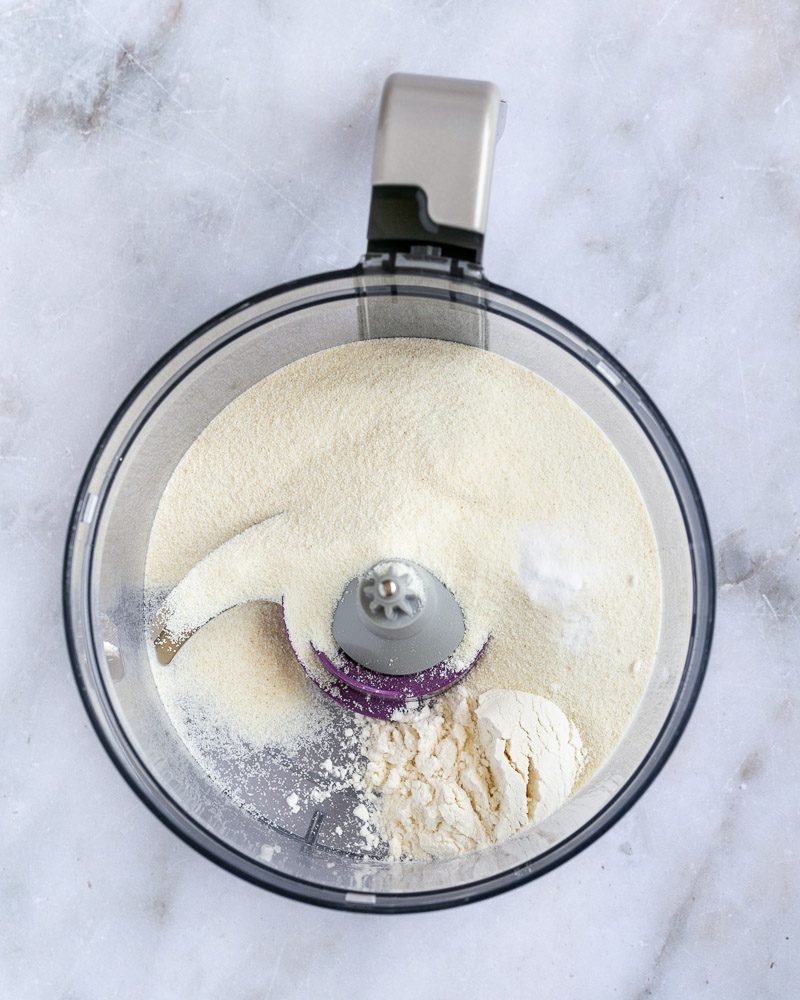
[(420, 449), (464, 773)]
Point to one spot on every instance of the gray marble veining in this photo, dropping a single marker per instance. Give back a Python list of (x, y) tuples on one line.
[(160, 160)]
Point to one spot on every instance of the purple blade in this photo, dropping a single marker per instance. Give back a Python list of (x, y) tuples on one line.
[(356, 701), (377, 695), (399, 688)]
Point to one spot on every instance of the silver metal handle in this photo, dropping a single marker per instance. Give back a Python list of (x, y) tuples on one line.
[(432, 167)]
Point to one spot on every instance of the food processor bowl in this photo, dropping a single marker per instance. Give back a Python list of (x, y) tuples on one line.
[(396, 291)]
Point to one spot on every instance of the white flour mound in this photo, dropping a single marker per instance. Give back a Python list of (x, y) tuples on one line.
[(467, 772), (445, 455)]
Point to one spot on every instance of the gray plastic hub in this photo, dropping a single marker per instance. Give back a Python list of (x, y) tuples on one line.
[(397, 618)]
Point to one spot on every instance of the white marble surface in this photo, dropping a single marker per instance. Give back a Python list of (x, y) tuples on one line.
[(158, 161)]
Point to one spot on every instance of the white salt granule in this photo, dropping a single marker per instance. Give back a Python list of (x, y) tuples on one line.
[(499, 485)]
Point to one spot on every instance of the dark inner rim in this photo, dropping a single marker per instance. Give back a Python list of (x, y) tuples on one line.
[(697, 655)]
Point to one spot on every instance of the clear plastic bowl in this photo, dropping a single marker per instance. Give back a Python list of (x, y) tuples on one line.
[(117, 501)]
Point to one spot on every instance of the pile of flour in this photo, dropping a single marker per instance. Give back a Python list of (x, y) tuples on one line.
[(422, 449), (463, 772)]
